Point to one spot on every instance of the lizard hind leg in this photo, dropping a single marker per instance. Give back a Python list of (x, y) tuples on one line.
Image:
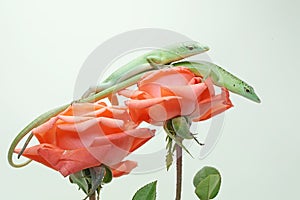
[(208, 74), (156, 63)]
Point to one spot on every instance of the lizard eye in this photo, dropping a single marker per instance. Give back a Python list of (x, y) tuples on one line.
[(247, 90), (190, 47)]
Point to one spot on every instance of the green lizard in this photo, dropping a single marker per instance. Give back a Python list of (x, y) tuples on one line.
[(221, 78), (124, 77), (159, 57)]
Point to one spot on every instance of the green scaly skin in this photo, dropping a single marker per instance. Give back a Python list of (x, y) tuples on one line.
[(159, 57), (124, 77), (221, 78)]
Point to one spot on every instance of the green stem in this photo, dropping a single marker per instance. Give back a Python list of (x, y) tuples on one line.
[(178, 172)]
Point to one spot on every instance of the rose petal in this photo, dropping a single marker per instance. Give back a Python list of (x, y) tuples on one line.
[(218, 104), (152, 110), (123, 168), (64, 161)]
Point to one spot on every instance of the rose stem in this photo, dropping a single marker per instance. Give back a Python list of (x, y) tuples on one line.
[(93, 196), (178, 172)]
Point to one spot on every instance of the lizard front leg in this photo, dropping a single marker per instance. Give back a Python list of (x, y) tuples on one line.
[(96, 89), (156, 63)]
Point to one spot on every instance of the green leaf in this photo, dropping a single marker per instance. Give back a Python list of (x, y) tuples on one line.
[(108, 175), (207, 183), (203, 173), (170, 150), (79, 179), (181, 127), (209, 187), (177, 140), (169, 160), (148, 192)]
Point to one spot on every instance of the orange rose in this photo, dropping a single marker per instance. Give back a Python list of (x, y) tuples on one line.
[(86, 135), (167, 93)]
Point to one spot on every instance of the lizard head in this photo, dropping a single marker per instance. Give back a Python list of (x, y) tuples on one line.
[(189, 48), (245, 90)]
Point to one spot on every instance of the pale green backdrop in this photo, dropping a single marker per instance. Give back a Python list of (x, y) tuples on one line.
[(44, 43)]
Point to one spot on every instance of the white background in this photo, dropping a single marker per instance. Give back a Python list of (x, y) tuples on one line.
[(43, 45)]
